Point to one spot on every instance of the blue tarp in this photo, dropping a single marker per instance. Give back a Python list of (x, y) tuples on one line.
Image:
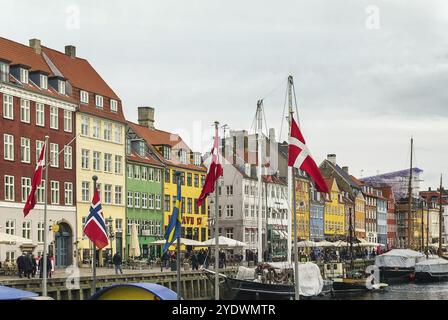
[(163, 293), (7, 293)]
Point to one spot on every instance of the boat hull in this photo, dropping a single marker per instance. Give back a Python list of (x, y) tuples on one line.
[(396, 275), (423, 277), (349, 285)]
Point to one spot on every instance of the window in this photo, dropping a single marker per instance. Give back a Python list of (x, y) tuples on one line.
[(189, 179), (54, 155), (10, 227), (4, 72), (229, 210), (158, 175), (158, 201), (167, 175), (67, 121), (8, 107), (118, 162), (167, 202), (130, 171), (144, 200), (61, 86), (107, 131), (25, 150), (202, 180), (55, 192), (197, 159), (85, 126), (144, 173), (130, 199), (113, 105), (25, 110), (85, 191), (24, 75), (137, 199), (196, 180), (229, 190), (229, 233), (96, 160), (43, 81), (167, 152), (26, 188), (151, 201), (40, 115), (40, 232), (41, 192), (151, 174), (84, 96), (85, 159), (107, 162), (189, 205), (99, 101), (136, 172), (54, 118), (96, 128), (183, 156), (118, 194), (68, 157), (68, 193), (117, 133), (107, 193), (8, 147)]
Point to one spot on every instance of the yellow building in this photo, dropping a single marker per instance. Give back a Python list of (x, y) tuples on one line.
[(303, 207), (334, 216), (360, 216), (177, 157), (100, 148)]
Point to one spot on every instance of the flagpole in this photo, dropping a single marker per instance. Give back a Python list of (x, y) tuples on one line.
[(290, 176), (45, 253), (216, 230), (178, 260), (94, 178)]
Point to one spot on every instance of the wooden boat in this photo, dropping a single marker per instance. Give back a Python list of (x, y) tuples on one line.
[(398, 265), (431, 270)]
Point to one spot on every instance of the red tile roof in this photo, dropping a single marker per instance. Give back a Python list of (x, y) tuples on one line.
[(80, 73), (148, 160)]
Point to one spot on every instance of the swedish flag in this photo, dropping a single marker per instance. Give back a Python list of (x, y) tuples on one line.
[(173, 230)]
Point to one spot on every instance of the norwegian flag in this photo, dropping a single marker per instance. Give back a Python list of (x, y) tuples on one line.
[(214, 172), (95, 227), (299, 157), (35, 182)]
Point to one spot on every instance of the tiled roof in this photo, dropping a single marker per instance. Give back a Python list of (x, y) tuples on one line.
[(158, 137), (134, 156), (18, 53), (80, 73)]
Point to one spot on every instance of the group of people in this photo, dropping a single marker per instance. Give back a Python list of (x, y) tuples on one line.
[(28, 265)]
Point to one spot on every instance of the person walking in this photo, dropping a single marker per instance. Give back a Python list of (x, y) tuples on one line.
[(194, 261), (41, 266), (117, 260), (21, 264), (28, 266)]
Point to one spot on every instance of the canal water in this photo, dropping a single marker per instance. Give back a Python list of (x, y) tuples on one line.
[(408, 291)]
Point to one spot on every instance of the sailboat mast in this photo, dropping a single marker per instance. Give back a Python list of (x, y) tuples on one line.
[(260, 186), (440, 216), (410, 199), (290, 175)]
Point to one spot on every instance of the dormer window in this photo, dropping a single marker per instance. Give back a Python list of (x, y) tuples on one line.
[(197, 159), (61, 86), (99, 101), (4, 72), (43, 81), (84, 96), (113, 105), (142, 149), (183, 156), (24, 75), (167, 152)]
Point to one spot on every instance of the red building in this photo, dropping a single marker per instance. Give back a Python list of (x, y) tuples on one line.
[(35, 102), (392, 237)]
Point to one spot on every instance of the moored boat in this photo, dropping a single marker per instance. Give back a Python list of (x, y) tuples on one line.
[(398, 265), (431, 270)]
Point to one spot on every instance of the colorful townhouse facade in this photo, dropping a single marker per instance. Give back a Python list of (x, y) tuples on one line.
[(334, 217), (302, 191), (317, 212), (371, 213), (392, 240), (35, 101), (177, 157), (100, 150), (144, 193)]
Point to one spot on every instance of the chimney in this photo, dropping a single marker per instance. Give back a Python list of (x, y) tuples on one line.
[(35, 44), (332, 158), (272, 134), (70, 51), (429, 189), (345, 169), (146, 117)]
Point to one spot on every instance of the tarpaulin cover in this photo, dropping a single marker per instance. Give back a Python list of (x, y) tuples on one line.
[(399, 258), (437, 265)]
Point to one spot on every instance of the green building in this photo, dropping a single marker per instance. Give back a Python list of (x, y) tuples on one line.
[(144, 194)]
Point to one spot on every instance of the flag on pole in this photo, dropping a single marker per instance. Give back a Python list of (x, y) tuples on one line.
[(95, 227), (214, 172), (173, 230), (299, 157), (35, 183)]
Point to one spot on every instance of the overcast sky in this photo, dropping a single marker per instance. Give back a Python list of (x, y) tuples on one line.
[(368, 74)]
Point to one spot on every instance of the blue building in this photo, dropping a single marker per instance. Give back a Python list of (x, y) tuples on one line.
[(317, 203), (381, 216)]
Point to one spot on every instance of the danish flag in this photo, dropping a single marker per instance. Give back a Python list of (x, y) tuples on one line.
[(95, 227), (35, 182), (299, 157)]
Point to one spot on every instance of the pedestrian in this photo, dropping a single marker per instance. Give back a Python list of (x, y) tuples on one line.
[(28, 266), (21, 264), (34, 266), (117, 260), (194, 261), (41, 266)]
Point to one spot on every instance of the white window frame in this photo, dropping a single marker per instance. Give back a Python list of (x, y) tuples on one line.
[(144, 200), (25, 150), (43, 81), (26, 188), (10, 227), (54, 155), (137, 200), (99, 101), (24, 75), (85, 126), (85, 155), (68, 157), (55, 196), (54, 118), (118, 164), (151, 201), (117, 133), (130, 199), (108, 193), (85, 191), (8, 147), (113, 105), (107, 162), (96, 129), (68, 193), (9, 188), (96, 161), (68, 123), (41, 192), (40, 232), (84, 96), (107, 131), (158, 202), (26, 229), (40, 114), (8, 107), (118, 195), (62, 87), (25, 111)]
